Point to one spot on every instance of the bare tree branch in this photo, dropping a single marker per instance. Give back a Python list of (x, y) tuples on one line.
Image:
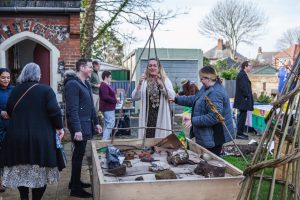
[(235, 21), (288, 38), (110, 14)]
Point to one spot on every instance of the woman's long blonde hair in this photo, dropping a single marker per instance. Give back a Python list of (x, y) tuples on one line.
[(161, 70)]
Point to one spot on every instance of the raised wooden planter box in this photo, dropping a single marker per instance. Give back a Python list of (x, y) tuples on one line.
[(205, 188)]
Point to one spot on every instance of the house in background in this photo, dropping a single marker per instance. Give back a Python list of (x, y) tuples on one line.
[(221, 52), (265, 58), (264, 74), (289, 53), (264, 80), (44, 32)]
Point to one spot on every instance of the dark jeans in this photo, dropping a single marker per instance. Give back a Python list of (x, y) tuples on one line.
[(241, 122), (77, 157), (37, 193), (216, 149)]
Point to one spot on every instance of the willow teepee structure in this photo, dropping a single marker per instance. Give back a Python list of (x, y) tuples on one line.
[(277, 177), (151, 41)]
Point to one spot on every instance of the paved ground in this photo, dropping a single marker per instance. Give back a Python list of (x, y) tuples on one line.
[(60, 190)]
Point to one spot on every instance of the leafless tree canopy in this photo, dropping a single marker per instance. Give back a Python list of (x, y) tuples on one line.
[(133, 11), (288, 38), (103, 15), (235, 21)]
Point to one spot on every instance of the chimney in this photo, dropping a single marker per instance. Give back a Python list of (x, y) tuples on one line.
[(259, 51), (227, 45), (220, 44)]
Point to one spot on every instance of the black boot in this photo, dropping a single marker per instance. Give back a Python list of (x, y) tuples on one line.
[(82, 184), (79, 192)]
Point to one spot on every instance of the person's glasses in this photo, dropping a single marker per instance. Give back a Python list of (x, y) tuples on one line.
[(152, 65), (203, 78)]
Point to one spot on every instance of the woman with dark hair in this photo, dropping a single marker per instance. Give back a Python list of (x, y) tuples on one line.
[(243, 100), (153, 89), (209, 132), (107, 102), (5, 90), (29, 149)]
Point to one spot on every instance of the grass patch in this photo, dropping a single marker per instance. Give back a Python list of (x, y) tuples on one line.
[(237, 161), (265, 185)]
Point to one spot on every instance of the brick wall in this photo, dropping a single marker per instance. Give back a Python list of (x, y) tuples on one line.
[(63, 31), (263, 83)]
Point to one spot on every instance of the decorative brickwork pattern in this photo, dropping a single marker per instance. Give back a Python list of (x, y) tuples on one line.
[(63, 31)]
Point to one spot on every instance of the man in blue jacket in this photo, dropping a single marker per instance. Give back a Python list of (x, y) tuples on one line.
[(243, 100), (81, 120)]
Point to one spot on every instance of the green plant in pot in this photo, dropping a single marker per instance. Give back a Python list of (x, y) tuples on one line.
[(264, 99), (229, 74)]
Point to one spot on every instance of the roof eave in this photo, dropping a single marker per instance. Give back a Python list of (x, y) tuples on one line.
[(40, 10)]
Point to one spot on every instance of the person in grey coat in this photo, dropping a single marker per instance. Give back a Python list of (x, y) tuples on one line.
[(95, 80), (243, 100), (95, 83), (206, 128), (81, 120)]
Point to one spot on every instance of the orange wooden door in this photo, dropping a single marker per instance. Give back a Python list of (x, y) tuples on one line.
[(41, 56)]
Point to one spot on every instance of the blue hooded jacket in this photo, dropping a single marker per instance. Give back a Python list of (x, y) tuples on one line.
[(205, 126)]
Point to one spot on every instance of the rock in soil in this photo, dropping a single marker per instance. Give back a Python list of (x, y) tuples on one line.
[(210, 169), (178, 157), (166, 174)]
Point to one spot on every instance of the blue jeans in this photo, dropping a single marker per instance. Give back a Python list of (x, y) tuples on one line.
[(109, 122)]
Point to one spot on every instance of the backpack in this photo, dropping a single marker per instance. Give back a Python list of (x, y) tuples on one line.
[(124, 123)]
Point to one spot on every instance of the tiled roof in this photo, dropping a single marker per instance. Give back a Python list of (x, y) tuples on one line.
[(215, 53), (264, 70), (231, 63), (266, 57), (34, 3), (291, 52)]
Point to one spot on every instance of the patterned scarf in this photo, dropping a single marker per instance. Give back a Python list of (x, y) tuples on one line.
[(153, 92)]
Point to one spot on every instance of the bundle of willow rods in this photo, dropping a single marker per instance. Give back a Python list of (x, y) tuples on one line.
[(284, 122)]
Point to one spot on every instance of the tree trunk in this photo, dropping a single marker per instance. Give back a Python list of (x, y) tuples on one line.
[(108, 24), (88, 30)]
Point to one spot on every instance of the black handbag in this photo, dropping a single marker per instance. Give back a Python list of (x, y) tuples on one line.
[(60, 155), (124, 122)]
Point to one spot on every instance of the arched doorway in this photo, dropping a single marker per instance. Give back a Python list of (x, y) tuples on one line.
[(41, 56), (37, 46), (25, 52)]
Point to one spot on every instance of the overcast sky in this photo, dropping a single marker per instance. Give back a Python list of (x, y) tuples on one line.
[(182, 32)]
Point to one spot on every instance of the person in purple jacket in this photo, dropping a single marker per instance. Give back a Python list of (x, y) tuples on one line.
[(107, 105)]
